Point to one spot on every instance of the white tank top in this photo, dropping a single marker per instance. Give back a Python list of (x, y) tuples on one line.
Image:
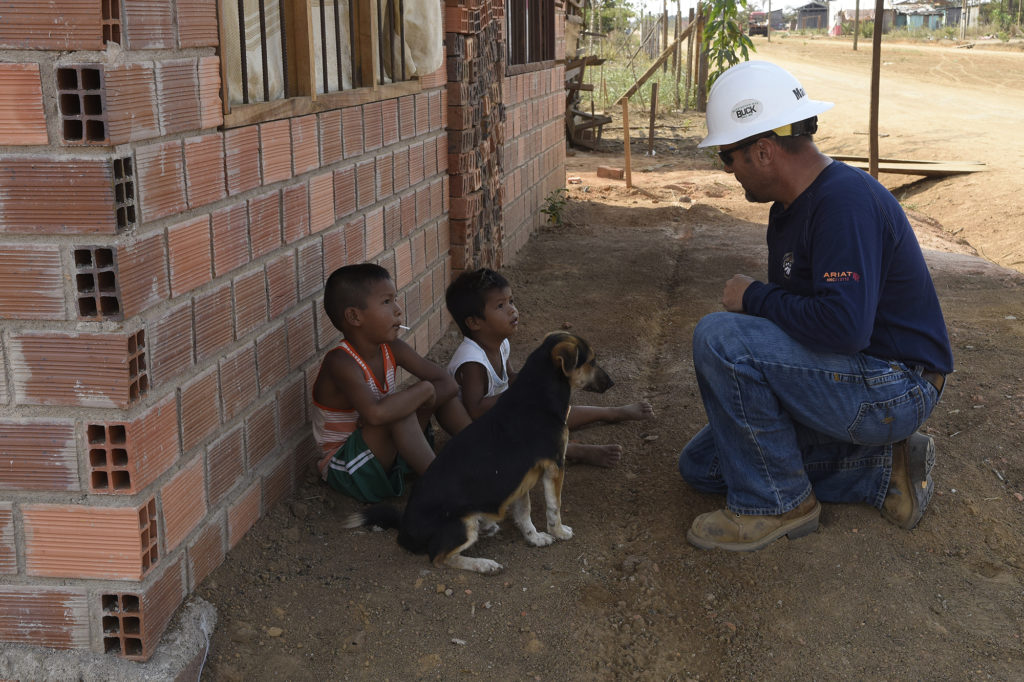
[(470, 351)]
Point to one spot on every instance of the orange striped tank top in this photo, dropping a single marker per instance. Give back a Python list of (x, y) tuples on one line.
[(332, 427)]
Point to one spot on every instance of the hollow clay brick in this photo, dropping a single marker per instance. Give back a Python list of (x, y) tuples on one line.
[(38, 455), (250, 302), (407, 117), (305, 145), (295, 201), (214, 321), (125, 457), (225, 463), (242, 158), (384, 176), (278, 482), (142, 274), (77, 541), (197, 23), (178, 95), (243, 513), (422, 113), (131, 103), (169, 343), (161, 174), (238, 384), (57, 368), (355, 240), (8, 552), (352, 131), (321, 202), (22, 119), (415, 164), (148, 24), (372, 126), (272, 358), (403, 264), (408, 204), (389, 122), (54, 25), (60, 616), (275, 151), (79, 196), (230, 227), (311, 269), (132, 623), (265, 223), (334, 250), (301, 339), (183, 502), (204, 169), (207, 552), (330, 137), (282, 284), (366, 183), (401, 170), (188, 247), (199, 409), (211, 111), (344, 192), (392, 223), (374, 233), (31, 282), (261, 432)]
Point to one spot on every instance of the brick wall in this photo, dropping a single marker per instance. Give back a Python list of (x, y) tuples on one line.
[(160, 302)]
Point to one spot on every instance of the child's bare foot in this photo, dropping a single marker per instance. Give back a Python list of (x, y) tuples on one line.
[(636, 411), (594, 455)]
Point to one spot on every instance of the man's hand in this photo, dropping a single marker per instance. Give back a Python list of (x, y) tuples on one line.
[(732, 296)]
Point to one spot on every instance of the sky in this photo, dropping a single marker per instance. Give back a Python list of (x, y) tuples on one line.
[(656, 5)]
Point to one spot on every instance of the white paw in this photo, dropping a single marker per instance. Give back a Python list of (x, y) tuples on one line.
[(538, 539), (561, 532), (488, 528), (487, 566)]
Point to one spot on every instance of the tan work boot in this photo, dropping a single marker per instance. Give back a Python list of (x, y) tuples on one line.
[(910, 485), (724, 529)]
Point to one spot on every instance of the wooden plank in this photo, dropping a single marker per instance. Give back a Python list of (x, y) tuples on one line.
[(927, 169), (846, 157)]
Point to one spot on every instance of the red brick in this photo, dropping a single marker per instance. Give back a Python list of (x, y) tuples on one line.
[(432, 250), (214, 321), (38, 455), (374, 233), (282, 284), (276, 151), (131, 103), (22, 118), (133, 623), (311, 269), (422, 205), (326, 334), (352, 131), (197, 23), (422, 113), (415, 164), (272, 358), (355, 240), (204, 169), (169, 340), (200, 409), (142, 274), (188, 246), (321, 202), (31, 282), (407, 117), (389, 121), (250, 302), (330, 137), (344, 192), (184, 503), (8, 552), (211, 110), (366, 183), (385, 176), (437, 198), (243, 514), (79, 541), (238, 383), (334, 250), (610, 173), (230, 227), (401, 170), (265, 223), (403, 264), (242, 158), (125, 457), (178, 95), (441, 154), (372, 126), (408, 202), (278, 482), (296, 212), (79, 196), (301, 341), (87, 370), (224, 464), (434, 108), (59, 616), (392, 223), (291, 407), (148, 24), (161, 179), (207, 552), (261, 432), (305, 145)]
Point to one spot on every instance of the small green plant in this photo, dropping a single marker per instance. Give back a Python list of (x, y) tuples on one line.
[(554, 204)]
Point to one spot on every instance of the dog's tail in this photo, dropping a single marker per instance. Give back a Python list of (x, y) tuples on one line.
[(382, 515)]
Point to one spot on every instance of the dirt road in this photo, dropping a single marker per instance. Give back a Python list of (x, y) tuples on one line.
[(627, 598)]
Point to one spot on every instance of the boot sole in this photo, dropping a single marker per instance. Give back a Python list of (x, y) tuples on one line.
[(797, 528)]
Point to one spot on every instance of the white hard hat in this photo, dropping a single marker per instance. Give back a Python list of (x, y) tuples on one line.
[(755, 97)]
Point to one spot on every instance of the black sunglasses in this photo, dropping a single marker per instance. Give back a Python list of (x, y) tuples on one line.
[(726, 154)]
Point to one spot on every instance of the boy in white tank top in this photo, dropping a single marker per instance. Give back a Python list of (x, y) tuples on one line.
[(480, 301)]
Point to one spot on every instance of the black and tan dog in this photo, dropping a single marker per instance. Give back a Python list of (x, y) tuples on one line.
[(490, 467)]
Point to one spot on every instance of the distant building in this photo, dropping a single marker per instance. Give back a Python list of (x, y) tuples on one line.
[(813, 15)]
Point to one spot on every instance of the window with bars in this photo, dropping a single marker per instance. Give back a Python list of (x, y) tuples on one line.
[(309, 48), (530, 27)]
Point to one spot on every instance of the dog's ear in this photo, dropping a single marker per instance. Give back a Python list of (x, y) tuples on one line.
[(565, 355)]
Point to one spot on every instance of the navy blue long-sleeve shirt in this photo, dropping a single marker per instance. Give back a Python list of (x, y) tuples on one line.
[(846, 274)]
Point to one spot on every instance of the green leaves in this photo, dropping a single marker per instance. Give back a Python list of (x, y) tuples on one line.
[(724, 38)]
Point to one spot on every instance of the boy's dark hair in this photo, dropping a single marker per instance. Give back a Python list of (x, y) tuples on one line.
[(348, 287), (466, 296)]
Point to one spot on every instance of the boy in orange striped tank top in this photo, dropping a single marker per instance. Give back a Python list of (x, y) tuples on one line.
[(370, 431)]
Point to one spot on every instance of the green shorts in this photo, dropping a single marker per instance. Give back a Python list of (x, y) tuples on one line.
[(354, 470)]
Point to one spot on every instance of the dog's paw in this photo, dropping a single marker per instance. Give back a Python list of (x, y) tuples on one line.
[(488, 528), (539, 539), (561, 532), (485, 566)]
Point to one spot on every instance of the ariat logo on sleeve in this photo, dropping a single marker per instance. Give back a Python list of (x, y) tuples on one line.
[(840, 276), (787, 264)]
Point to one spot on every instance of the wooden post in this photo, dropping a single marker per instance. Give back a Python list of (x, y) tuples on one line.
[(654, 112), (689, 64), (678, 60), (856, 26), (876, 67), (625, 139), (702, 63), (664, 30)]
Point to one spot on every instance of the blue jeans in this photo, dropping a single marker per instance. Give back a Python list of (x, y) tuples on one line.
[(784, 419)]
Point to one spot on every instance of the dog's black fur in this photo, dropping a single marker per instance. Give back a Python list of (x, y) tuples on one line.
[(492, 464)]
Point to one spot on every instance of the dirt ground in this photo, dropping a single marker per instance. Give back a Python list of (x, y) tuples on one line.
[(301, 598)]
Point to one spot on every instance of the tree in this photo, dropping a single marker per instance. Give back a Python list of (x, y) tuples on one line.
[(724, 38)]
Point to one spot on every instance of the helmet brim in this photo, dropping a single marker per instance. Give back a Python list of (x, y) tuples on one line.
[(806, 109)]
